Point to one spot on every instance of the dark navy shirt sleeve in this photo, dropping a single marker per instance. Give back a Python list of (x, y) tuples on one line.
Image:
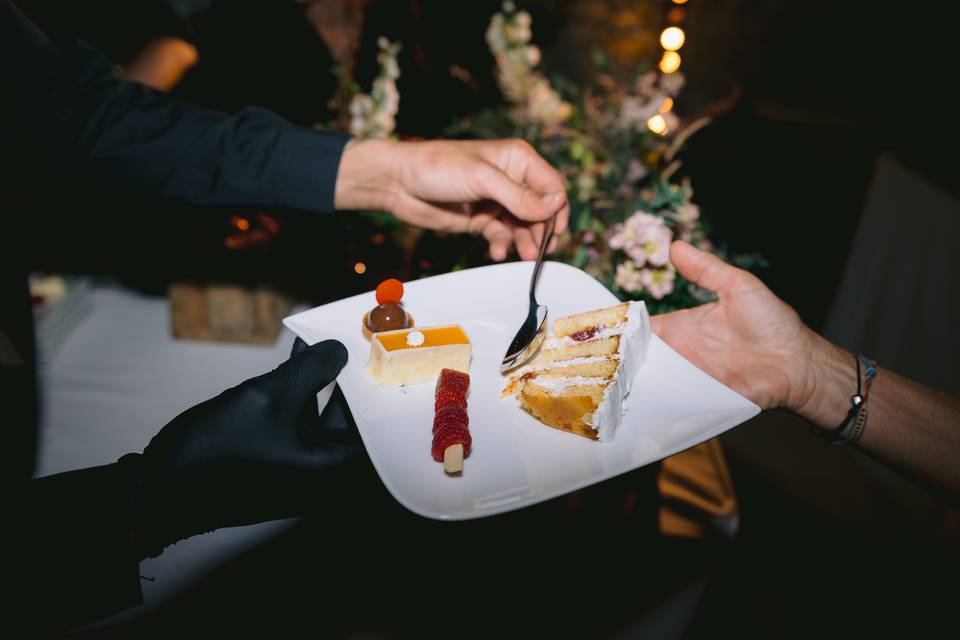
[(70, 115)]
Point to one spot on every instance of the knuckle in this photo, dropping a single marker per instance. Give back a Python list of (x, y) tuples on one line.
[(520, 146)]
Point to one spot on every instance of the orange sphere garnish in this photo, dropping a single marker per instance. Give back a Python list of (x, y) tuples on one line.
[(389, 291)]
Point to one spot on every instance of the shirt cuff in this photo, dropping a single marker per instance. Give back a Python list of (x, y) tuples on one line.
[(306, 165)]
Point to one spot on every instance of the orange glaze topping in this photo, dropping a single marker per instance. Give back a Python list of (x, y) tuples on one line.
[(432, 337)]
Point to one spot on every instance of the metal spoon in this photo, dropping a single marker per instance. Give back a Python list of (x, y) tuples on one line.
[(533, 330)]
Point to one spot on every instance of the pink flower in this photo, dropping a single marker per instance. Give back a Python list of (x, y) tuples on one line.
[(658, 282), (628, 278), (644, 237), (589, 237)]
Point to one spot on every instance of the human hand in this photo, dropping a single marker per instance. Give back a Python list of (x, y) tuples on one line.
[(500, 189), (748, 339), (256, 452)]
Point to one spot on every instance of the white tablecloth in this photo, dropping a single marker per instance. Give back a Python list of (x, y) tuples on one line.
[(117, 379)]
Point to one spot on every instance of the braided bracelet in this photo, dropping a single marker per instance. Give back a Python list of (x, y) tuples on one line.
[(860, 425), (858, 411)]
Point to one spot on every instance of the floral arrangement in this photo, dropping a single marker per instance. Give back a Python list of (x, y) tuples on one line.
[(374, 115), (616, 144)]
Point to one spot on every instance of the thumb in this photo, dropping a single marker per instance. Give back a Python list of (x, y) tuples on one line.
[(701, 268), (310, 370), (520, 200)]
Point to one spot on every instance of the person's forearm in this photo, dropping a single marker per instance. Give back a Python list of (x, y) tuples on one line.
[(909, 426), (367, 175), (70, 114)]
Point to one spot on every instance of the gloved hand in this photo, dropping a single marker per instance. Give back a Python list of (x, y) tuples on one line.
[(256, 452)]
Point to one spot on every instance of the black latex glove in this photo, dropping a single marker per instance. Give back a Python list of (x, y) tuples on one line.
[(256, 452)]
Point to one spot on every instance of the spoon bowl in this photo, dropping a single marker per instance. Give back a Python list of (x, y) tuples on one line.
[(533, 330)]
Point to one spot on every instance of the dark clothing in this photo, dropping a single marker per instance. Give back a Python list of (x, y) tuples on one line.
[(70, 117)]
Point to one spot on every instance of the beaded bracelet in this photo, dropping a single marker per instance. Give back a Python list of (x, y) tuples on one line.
[(860, 425), (858, 410)]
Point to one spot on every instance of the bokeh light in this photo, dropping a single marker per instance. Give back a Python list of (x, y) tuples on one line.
[(657, 124), (670, 61), (672, 38)]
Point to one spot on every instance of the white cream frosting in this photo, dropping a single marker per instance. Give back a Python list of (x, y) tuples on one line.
[(556, 364), (632, 353), (602, 332), (415, 338), (556, 386)]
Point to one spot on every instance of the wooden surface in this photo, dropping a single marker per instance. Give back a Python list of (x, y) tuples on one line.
[(227, 312)]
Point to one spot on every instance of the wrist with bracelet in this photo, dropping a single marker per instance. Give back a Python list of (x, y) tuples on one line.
[(855, 422)]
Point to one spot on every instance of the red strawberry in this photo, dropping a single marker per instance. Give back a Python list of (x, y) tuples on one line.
[(448, 397), (450, 416), (448, 437), (453, 379)]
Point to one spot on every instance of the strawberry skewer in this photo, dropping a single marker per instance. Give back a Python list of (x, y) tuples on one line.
[(451, 435)]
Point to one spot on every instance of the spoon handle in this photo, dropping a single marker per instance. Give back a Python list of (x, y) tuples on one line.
[(547, 236)]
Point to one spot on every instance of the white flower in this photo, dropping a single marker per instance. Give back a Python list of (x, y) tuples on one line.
[(533, 56), (386, 95), (544, 104), (374, 115), (671, 83), (646, 83), (628, 277), (516, 32), (635, 111), (534, 100), (687, 213), (361, 104), (389, 66), (658, 282), (383, 123)]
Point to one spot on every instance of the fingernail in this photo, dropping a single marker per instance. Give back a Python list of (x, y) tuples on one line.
[(553, 199)]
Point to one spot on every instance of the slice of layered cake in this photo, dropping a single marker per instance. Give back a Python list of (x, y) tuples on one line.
[(579, 379)]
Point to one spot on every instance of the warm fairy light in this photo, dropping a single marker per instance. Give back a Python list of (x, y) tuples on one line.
[(360, 267), (672, 38), (679, 1), (667, 105), (670, 61), (240, 223), (657, 124)]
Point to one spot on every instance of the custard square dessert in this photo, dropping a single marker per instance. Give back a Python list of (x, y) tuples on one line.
[(415, 356)]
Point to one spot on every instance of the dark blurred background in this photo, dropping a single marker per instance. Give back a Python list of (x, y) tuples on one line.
[(827, 114)]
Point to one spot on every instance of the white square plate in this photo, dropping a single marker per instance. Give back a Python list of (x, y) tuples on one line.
[(516, 461)]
